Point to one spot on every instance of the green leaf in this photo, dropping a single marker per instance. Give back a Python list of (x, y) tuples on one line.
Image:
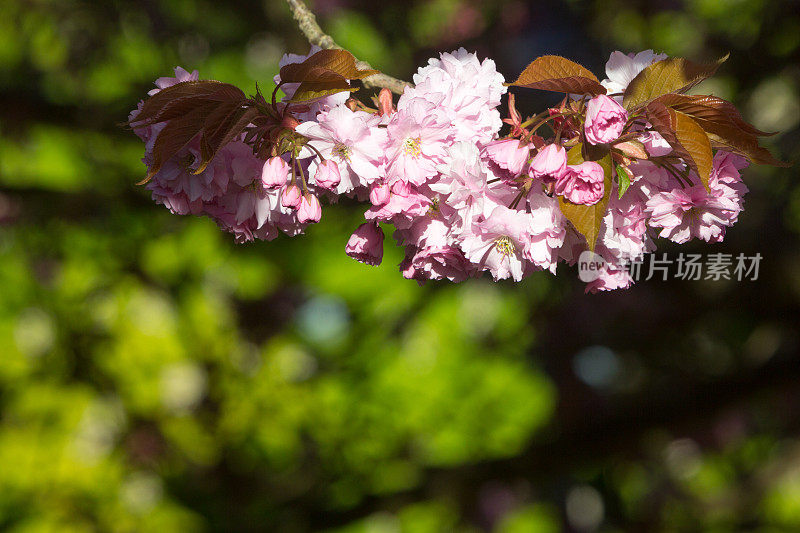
[(672, 75), (623, 180), (587, 219)]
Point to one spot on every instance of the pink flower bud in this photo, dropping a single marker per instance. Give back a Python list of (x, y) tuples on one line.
[(509, 154), (385, 102), (309, 210), (605, 120), (366, 244), (401, 188), (275, 173), (582, 184), (549, 164), (327, 175), (379, 195), (290, 197)]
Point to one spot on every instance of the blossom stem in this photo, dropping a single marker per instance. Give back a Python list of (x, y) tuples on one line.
[(307, 23)]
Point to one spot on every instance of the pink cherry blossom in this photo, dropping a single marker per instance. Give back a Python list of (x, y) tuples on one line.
[(582, 184), (549, 164), (352, 140), (418, 137), (436, 263), (605, 120), (497, 243), (366, 244), (693, 212), (509, 154)]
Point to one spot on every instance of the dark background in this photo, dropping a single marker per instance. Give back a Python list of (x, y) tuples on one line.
[(155, 376)]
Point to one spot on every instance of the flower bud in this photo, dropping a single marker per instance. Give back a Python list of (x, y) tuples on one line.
[(290, 196), (379, 195), (549, 164), (582, 184), (366, 244), (605, 120), (290, 122), (385, 102), (327, 175), (309, 209), (275, 173)]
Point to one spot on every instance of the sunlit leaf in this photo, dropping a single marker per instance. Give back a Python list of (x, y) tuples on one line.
[(558, 74), (686, 137), (724, 125), (587, 219), (325, 65), (633, 149), (672, 75)]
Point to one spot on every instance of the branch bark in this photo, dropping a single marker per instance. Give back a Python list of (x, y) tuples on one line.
[(307, 23)]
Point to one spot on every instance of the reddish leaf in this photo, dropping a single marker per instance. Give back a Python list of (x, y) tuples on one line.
[(672, 75), (223, 128), (713, 109), (686, 137), (588, 218), (555, 73), (182, 97), (175, 136), (736, 141), (323, 64)]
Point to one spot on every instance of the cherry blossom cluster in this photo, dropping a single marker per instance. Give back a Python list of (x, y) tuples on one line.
[(462, 197)]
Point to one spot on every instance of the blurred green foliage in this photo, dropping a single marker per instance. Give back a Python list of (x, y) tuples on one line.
[(154, 376)]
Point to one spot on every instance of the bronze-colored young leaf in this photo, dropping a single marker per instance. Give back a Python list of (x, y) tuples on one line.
[(182, 98), (686, 137), (633, 149), (222, 127), (712, 109), (724, 125), (318, 66), (558, 74), (588, 218), (309, 90), (737, 142), (672, 75), (175, 136)]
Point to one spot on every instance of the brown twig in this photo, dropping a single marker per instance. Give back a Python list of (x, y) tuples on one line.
[(307, 23)]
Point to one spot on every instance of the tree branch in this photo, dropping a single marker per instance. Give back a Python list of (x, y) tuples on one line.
[(307, 23)]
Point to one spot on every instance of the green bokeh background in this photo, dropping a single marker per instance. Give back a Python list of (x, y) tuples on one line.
[(155, 376)]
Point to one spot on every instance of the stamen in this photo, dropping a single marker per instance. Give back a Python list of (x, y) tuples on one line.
[(411, 146), (343, 151), (505, 245), (434, 207)]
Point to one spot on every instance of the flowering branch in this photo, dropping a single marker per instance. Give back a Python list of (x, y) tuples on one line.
[(307, 23), (606, 175)]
